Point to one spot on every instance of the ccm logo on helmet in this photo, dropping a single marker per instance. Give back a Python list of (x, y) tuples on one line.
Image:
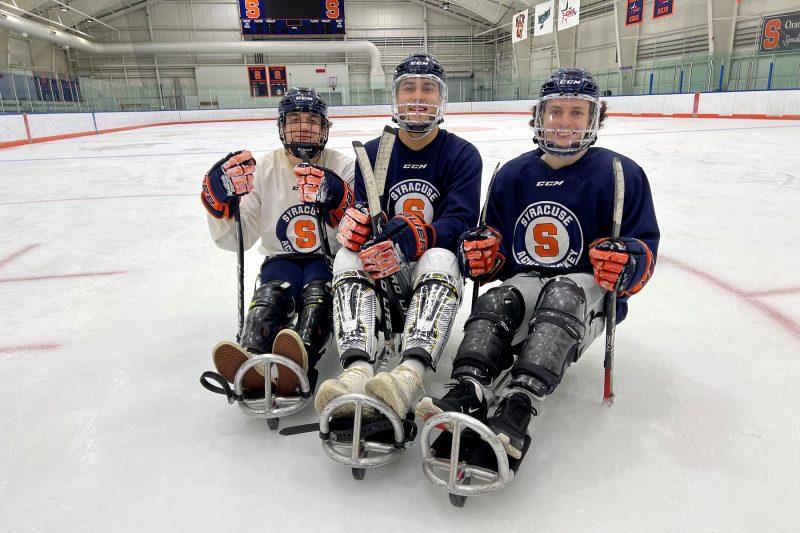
[(414, 166), (549, 183)]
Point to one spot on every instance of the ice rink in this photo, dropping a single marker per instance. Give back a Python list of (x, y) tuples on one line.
[(113, 295)]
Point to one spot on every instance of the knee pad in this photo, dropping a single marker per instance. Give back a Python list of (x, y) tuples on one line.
[(346, 260), (270, 311), (440, 261), (430, 317), (485, 350), (315, 321), (556, 331)]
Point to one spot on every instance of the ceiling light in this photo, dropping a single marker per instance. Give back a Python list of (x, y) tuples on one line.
[(446, 6), (64, 7)]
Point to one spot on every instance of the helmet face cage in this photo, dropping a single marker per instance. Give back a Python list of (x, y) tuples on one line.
[(416, 120), (548, 137), (298, 134)]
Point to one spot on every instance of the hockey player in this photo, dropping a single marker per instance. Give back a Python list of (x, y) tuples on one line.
[(546, 237), (431, 197), (295, 278)]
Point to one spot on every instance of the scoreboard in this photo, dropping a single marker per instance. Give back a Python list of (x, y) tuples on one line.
[(292, 17)]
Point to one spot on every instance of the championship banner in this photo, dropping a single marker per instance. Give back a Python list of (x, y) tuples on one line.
[(569, 13), (633, 13), (543, 19), (277, 81), (520, 32), (781, 33), (258, 80), (662, 8)]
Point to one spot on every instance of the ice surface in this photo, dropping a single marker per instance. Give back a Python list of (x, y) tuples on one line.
[(113, 295)]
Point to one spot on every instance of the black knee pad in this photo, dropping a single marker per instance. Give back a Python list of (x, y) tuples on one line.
[(270, 311), (556, 331), (315, 322), (485, 350)]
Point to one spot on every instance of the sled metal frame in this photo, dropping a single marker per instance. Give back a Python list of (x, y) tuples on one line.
[(459, 477), (354, 453), (272, 406)]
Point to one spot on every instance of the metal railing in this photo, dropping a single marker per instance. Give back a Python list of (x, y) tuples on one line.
[(23, 90)]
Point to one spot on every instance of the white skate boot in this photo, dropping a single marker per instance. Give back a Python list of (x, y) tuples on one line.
[(352, 380), (399, 388)]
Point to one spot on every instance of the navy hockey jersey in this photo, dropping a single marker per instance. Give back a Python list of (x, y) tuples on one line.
[(549, 217), (441, 182)]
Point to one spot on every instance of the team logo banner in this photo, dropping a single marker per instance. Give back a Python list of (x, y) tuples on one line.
[(633, 13), (569, 13), (662, 8), (543, 15), (277, 81), (520, 24), (780, 33)]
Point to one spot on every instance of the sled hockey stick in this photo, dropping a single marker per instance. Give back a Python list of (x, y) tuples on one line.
[(611, 298), (476, 284), (374, 183), (239, 266), (325, 247)]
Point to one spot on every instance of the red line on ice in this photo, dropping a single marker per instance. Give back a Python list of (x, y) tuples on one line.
[(775, 292), (11, 258), (63, 276), (790, 325), (29, 348)]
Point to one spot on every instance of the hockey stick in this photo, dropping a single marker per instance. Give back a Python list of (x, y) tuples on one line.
[(611, 298), (476, 284), (374, 183), (240, 266)]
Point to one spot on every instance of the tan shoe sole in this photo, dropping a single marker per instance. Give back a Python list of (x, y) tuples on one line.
[(228, 357), (289, 344)]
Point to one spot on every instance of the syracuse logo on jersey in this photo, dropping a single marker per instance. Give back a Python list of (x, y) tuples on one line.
[(413, 196), (547, 234), (297, 229)]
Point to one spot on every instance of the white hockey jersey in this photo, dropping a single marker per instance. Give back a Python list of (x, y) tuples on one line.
[(272, 211)]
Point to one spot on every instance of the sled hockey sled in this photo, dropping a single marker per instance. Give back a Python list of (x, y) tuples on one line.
[(360, 442), (271, 406), (468, 459)]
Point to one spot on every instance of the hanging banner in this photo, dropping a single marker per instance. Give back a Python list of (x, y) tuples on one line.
[(277, 81), (543, 19), (662, 8), (780, 33), (258, 80), (569, 12), (633, 13), (520, 24)]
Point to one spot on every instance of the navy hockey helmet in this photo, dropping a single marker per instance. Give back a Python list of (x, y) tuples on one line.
[(411, 116), (570, 81), (299, 140), (560, 136)]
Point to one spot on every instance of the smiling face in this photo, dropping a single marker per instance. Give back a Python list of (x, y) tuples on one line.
[(566, 124), (418, 99), (418, 102), (565, 121)]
